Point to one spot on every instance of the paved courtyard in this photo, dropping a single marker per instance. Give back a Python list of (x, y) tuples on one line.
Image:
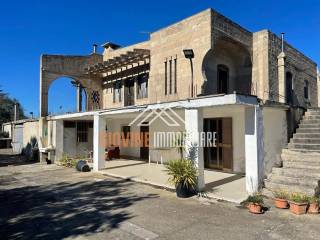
[(49, 202), (219, 185)]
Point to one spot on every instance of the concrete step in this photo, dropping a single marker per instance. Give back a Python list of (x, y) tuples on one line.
[(289, 155), (305, 140), (305, 182), (314, 147), (312, 112), (301, 165), (308, 130), (310, 121), (309, 125), (295, 172), (306, 135), (272, 186), (311, 117)]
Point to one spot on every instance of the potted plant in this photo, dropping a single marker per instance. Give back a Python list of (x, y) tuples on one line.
[(255, 203), (281, 199), (183, 174), (314, 205), (298, 203)]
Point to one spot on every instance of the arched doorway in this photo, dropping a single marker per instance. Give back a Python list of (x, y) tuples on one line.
[(227, 68), (66, 96)]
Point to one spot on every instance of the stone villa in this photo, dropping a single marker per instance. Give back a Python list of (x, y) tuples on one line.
[(251, 88)]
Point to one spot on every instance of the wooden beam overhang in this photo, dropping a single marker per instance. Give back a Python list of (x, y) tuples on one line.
[(128, 60)]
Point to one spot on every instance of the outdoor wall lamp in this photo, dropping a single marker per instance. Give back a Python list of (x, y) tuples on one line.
[(188, 53)]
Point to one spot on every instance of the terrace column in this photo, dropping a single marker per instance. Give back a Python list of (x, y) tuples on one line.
[(254, 148), (194, 125), (99, 127)]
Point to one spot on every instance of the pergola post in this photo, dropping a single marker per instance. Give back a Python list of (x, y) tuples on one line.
[(99, 126), (254, 150), (194, 125)]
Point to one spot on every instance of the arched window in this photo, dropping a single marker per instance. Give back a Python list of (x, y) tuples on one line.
[(223, 79), (306, 89), (289, 93)]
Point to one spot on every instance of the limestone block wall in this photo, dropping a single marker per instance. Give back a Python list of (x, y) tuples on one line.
[(267, 47), (168, 44), (260, 69)]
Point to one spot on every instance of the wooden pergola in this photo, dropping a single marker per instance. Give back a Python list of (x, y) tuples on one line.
[(123, 65)]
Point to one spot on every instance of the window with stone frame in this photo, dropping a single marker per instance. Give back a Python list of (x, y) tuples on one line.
[(82, 131), (117, 91), (142, 86)]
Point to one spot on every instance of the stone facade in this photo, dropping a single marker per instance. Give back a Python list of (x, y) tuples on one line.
[(252, 59)]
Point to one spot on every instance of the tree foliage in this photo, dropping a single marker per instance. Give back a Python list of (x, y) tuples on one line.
[(7, 108)]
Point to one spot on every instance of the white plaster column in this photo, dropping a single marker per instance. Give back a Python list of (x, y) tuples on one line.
[(79, 98), (194, 125), (282, 77), (254, 150), (59, 140), (99, 126)]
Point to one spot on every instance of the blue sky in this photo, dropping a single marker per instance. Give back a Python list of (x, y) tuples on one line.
[(30, 28)]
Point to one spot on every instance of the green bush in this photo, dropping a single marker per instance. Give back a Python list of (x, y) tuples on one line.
[(299, 197), (281, 194), (314, 199), (183, 172)]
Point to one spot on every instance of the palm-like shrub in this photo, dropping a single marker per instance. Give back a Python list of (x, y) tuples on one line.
[(182, 172)]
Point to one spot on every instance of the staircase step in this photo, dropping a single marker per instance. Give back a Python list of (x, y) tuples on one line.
[(295, 172), (305, 182), (315, 147), (309, 125), (308, 130), (288, 187), (311, 112), (306, 135), (301, 165), (292, 155), (305, 140), (311, 117), (310, 121)]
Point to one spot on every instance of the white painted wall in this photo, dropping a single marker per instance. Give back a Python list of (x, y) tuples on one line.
[(6, 127), (30, 130), (275, 136)]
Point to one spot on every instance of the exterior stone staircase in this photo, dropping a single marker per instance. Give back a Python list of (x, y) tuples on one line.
[(301, 160)]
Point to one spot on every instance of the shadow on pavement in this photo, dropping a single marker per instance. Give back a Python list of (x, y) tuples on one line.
[(65, 209), (7, 158)]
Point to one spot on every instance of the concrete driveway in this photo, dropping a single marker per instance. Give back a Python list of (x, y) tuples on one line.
[(50, 202)]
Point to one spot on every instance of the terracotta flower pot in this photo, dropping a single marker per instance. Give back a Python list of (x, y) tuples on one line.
[(298, 208), (281, 203), (255, 208), (313, 208)]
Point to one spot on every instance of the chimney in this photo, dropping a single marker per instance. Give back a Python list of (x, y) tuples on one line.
[(95, 48)]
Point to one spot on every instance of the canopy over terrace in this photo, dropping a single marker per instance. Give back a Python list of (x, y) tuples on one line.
[(129, 63), (194, 115)]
